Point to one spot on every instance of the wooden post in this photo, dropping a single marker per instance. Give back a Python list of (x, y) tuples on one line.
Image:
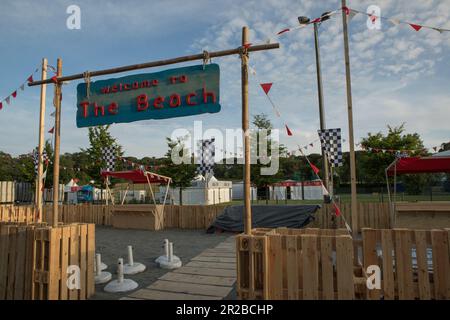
[(245, 129), (351, 139), (39, 182), (57, 129)]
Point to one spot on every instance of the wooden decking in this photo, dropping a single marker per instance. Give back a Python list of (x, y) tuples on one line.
[(209, 276)]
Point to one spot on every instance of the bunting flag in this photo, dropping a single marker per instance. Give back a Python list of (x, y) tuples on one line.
[(337, 211), (289, 132), (314, 168), (266, 87), (52, 130), (417, 27), (53, 114), (109, 157), (206, 157), (14, 93)]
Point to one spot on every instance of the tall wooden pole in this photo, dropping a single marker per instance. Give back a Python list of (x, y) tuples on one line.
[(351, 139), (57, 130), (245, 129), (39, 182)]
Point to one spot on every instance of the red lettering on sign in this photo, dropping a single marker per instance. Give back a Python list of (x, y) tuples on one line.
[(188, 99), (106, 90), (158, 103), (142, 102), (208, 94), (97, 108), (155, 82), (135, 85), (114, 88), (175, 100), (183, 78), (173, 80), (113, 108), (145, 84), (85, 105), (126, 86)]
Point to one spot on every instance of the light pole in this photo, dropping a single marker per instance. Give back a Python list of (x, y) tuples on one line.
[(325, 167)]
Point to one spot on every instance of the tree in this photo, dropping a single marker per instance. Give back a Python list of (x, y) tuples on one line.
[(262, 143), (375, 162), (99, 138), (181, 174)]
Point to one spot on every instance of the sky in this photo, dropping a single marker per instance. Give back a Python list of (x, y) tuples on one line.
[(398, 75)]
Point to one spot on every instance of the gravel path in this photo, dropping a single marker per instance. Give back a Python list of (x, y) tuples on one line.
[(147, 246)]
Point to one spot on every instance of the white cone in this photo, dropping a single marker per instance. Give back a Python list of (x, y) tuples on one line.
[(121, 284)]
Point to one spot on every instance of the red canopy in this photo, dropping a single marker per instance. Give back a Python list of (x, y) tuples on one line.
[(420, 165), (137, 176)]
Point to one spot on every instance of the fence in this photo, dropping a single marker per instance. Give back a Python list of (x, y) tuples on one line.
[(305, 264), (414, 263), (34, 261)]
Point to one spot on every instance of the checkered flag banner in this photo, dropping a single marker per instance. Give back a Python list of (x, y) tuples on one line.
[(331, 141), (109, 156), (205, 156), (36, 159)]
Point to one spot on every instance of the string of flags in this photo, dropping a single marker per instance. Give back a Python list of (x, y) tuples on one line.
[(8, 100), (139, 166), (351, 13)]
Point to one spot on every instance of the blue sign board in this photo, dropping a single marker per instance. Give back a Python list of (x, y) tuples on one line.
[(171, 93)]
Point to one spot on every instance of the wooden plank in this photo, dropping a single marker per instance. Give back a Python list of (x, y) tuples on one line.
[(370, 257), (403, 262), (54, 268), (326, 258), (212, 265), (83, 260), (4, 245), (19, 263), (422, 265), (387, 248), (65, 243), (223, 254), (190, 278), (90, 261), (29, 262), (291, 261), (74, 256), (310, 267), (148, 294), (11, 265), (275, 267), (344, 268), (207, 272), (189, 288), (214, 259), (441, 269)]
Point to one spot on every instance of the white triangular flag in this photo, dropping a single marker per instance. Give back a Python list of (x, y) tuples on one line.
[(44, 175), (325, 191), (395, 22), (53, 114), (8, 100), (252, 70), (22, 87), (438, 30)]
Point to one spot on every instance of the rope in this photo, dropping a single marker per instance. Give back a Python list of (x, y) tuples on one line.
[(87, 79)]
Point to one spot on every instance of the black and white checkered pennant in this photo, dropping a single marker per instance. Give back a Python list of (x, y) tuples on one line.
[(331, 141), (205, 156), (109, 157), (36, 159)]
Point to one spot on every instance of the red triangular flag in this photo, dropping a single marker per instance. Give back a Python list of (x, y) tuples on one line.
[(415, 26), (52, 130), (247, 45), (30, 78), (14, 94), (283, 31), (337, 211), (55, 79), (346, 10), (266, 87), (289, 132), (314, 168), (1, 106)]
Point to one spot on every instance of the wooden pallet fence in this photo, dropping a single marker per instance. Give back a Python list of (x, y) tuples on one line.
[(34, 261), (414, 263), (10, 213), (295, 264)]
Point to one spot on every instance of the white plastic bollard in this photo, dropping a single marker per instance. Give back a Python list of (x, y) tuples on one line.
[(121, 284), (166, 247), (130, 256), (169, 261), (100, 276), (102, 265), (170, 251), (132, 267)]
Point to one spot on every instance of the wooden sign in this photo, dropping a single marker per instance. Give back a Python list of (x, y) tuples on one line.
[(171, 93)]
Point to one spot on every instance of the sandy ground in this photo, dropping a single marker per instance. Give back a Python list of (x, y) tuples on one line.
[(147, 246)]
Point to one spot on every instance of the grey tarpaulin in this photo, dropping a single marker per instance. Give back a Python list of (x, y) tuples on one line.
[(265, 216)]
